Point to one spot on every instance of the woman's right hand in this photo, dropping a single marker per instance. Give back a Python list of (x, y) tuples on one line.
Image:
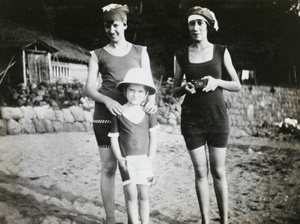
[(189, 88), (114, 107)]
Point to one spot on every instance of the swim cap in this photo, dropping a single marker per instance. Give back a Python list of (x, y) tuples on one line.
[(115, 12), (204, 14)]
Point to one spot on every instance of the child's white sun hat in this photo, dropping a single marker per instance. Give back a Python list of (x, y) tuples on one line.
[(138, 76)]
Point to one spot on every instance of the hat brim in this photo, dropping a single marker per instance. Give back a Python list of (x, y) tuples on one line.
[(121, 85)]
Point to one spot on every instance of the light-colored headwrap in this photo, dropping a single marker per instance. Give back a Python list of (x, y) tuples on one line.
[(204, 14), (115, 12)]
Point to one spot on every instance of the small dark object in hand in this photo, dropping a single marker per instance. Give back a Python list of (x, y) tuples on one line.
[(199, 83)]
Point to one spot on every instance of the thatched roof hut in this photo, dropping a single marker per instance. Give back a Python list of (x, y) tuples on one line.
[(38, 56)]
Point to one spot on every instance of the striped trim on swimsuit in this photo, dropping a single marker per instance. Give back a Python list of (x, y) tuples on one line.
[(104, 146), (101, 121)]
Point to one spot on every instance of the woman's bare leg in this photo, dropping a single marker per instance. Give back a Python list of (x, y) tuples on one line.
[(107, 183), (200, 163), (218, 170)]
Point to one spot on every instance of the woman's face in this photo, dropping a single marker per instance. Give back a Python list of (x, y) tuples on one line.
[(198, 29), (136, 94), (115, 30)]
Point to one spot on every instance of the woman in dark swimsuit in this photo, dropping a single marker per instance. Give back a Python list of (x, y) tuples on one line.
[(204, 119), (111, 63)]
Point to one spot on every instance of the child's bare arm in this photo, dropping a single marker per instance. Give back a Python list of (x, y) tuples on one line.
[(117, 152), (152, 144)]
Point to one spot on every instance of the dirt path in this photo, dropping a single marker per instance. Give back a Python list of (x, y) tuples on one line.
[(54, 178)]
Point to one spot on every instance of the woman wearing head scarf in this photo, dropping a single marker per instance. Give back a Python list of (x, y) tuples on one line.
[(204, 119), (111, 63)]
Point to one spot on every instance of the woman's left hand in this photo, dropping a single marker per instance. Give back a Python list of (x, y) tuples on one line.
[(150, 108), (212, 84)]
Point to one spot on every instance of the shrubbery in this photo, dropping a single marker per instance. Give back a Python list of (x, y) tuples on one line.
[(57, 95), (169, 107), (62, 95)]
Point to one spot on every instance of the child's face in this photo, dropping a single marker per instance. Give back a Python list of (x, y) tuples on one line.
[(136, 94)]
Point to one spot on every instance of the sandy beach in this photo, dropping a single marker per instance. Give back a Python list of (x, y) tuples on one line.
[(55, 178)]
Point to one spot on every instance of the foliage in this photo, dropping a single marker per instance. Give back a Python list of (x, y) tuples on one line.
[(260, 35), (169, 107), (165, 93), (57, 95), (4, 72), (286, 130), (290, 127)]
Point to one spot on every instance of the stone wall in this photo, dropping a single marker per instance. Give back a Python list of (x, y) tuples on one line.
[(252, 106), (30, 120), (255, 105)]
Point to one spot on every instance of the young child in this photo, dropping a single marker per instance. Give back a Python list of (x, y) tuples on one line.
[(133, 141)]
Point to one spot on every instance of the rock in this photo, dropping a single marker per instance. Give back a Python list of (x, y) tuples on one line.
[(178, 120), (177, 114), (59, 115), (68, 127), (39, 126), (3, 127), (78, 127), (251, 130), (163, 110), (54, 104), (39, 98), (88, 116), (88, 126), (68, 117), (11, 113), (27, 126), (250, 112), (40, 92), (172, 116), (250, 151), (160, 103), (48, 125), (162, 120), (58, 126), (21, 102), (92, 111), (172, 121), (77, 113), (13, 127), (49, 114), (51, 220), (40, 112), (28, 112)]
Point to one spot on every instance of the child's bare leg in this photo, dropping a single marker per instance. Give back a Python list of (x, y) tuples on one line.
[(143, 197), (130, 192)]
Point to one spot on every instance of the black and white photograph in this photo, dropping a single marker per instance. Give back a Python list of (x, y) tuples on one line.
[(149, 111)]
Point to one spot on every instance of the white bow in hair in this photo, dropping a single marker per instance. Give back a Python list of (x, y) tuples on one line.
[(109, 7), (216, 25)]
